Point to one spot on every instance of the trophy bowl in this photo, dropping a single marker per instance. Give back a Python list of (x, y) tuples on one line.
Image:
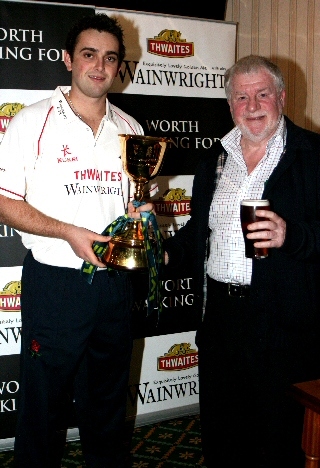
[(142, 158)]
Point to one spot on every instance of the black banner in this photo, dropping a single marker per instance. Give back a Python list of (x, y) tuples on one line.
[(32, 39)]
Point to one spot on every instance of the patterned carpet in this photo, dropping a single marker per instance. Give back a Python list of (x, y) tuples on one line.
[(174, 443)]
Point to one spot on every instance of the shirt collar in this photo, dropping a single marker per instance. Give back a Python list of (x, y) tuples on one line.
[(109, 112), (60, 101), (231, 141)]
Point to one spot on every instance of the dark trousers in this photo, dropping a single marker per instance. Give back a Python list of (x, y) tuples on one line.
[(84, 334), (246, 364)]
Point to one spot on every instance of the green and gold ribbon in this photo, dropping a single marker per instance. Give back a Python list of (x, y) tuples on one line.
[(154, 254)]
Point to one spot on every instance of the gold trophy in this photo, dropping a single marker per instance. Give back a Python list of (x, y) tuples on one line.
[(142, 158)]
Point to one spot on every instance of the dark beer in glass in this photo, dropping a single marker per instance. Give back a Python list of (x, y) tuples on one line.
[(247, 216)]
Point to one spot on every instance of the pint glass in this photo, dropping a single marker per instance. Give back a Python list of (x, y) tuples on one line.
[(247, 216)]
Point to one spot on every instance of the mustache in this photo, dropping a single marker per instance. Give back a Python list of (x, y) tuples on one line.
[(255, 115), (250, 115)]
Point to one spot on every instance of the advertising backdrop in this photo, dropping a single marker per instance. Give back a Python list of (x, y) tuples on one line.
[(172, 82)]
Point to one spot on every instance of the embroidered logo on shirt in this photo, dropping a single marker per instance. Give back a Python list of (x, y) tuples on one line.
[(65, 157), (65, 150), (61, 110)]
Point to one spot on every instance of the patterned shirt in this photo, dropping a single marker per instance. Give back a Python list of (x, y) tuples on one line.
[(227, 261)]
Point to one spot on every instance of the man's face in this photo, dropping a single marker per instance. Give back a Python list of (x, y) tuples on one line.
[(255, 105), (95, 62)]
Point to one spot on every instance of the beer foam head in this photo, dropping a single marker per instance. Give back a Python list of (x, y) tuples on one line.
[(252, 202)]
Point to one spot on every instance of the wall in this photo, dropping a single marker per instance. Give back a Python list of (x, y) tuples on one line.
[(288, 32)]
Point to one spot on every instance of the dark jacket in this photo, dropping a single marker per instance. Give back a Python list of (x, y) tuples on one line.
[(285, 287)]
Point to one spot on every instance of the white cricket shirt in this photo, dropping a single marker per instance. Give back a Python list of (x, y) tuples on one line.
[(51, 158)]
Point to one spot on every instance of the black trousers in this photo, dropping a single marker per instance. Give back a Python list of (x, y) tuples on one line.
[(245, 369), (85, 343)]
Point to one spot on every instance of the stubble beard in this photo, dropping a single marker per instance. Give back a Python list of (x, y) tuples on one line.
[(268, 131)]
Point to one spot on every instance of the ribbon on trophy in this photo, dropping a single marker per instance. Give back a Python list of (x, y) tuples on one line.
[(131, 246), (154, 255)]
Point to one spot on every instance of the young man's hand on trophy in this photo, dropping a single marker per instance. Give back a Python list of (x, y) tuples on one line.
[(135, 212)]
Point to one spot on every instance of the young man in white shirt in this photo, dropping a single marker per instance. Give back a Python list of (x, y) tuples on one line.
[(61, 184)]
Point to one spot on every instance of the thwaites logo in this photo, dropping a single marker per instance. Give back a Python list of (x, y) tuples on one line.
[(7, 111), (174, 202), (179, 357), (168, 43), (10, 297)]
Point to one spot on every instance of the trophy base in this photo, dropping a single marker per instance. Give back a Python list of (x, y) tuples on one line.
[(126, 251)]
